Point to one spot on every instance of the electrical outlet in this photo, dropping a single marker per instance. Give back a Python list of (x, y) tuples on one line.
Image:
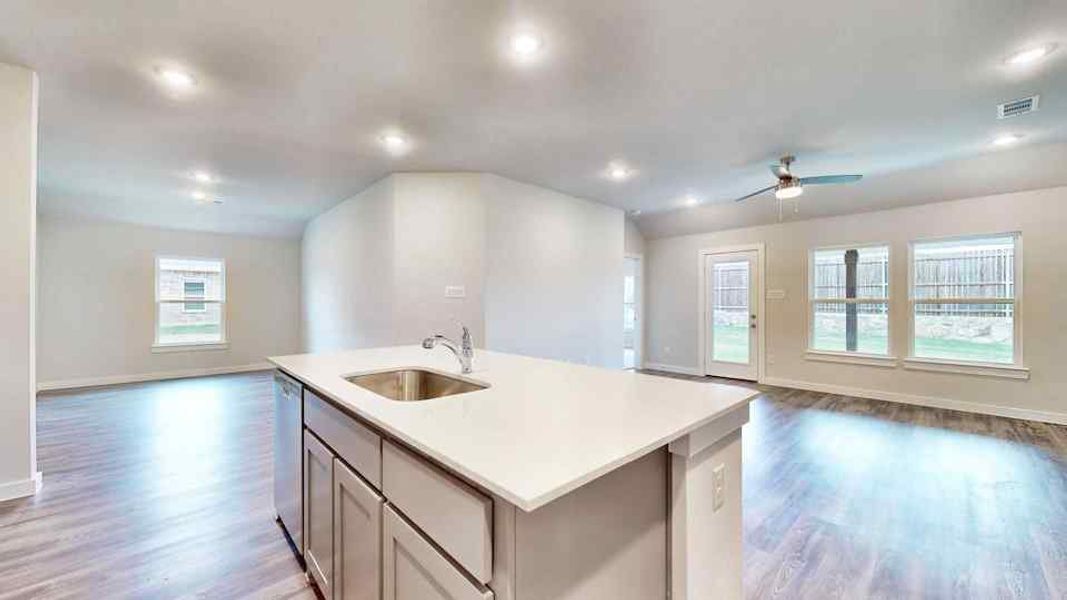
[(455, 291), (719, 490)]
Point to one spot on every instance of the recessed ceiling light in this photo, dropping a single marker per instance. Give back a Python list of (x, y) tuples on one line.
[(393, 142), (635, 212), (200, 196), (176, 79), (1029, 55), (526, 45), (619, 172), (203, 177), (691, 200), (1007, 139)]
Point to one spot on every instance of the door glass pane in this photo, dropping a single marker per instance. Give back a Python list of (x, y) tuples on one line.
[(730, 312), (972, 332)]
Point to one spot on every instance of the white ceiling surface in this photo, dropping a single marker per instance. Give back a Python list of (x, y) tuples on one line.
[(698, 96)]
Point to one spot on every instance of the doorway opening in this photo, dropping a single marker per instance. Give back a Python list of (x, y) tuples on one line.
[(631, 311)]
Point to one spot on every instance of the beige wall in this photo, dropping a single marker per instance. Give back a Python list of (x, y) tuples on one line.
[(97, 300), (542, 271), (1041, 216), (18, 184)]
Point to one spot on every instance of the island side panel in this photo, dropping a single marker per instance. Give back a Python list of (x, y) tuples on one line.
[(706, 538), (604, 541)]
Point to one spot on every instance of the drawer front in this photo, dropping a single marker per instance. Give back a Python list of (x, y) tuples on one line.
[(355, 443), (457, 517), (412, 569)]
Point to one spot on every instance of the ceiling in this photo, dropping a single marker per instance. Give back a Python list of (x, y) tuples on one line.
[(697, 96)]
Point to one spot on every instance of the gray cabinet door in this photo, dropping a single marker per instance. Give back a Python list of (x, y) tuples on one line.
[(412, 569), (318, 513), (357, 538)]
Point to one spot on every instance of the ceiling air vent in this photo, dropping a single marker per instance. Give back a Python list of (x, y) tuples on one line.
[(1018, 107)]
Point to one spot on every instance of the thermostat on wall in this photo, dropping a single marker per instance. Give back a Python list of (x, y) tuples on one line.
[(455, 291)]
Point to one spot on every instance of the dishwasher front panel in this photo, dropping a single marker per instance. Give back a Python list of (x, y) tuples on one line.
[(288, 455)]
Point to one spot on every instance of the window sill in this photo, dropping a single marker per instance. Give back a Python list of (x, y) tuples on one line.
[(165, 348), (965, 368), (852, 358)]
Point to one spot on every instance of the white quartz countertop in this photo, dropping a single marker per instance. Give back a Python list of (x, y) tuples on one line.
[(543, 428)]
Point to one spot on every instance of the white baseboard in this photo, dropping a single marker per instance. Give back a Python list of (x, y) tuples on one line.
[(21, 488), (672, 369), (928, 401), (66, 384)]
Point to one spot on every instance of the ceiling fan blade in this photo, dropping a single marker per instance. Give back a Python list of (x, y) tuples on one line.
[(764, 190), (821, 179), (780, 171)]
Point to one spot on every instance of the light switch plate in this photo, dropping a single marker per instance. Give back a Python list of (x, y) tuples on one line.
[(455, 291)]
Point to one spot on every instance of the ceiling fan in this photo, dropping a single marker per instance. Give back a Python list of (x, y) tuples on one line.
[(791, 186)]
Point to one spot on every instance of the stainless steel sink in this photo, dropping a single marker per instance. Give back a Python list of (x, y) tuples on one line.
[(413, 385)]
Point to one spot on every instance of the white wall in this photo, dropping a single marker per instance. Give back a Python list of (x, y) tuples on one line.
[(439, 241), (542, 271), (1040, 215), (18, 185), (347, 274), (553, 274), (633, 241), (97, 300)]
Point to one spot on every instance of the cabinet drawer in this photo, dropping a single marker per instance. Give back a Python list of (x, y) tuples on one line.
[(457, 517), (355, 443), (412, 569)]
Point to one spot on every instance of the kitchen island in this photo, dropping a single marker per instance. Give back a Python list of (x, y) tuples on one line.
[(550, 481)]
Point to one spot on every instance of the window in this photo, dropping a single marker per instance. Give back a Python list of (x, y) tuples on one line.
[(190, 302), (849, 300), (963, 299)]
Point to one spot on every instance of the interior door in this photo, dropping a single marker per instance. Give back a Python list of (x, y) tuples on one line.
[(732, 315)]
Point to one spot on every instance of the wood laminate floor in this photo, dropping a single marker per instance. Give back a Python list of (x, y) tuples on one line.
[(156, 490), (163, 490)]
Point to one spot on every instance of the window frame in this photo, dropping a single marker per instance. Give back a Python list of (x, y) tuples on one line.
[(223, 341), (1014, 369), (864, 358)]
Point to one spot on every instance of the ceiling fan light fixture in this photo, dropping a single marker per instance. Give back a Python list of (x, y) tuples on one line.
[(789, 190)]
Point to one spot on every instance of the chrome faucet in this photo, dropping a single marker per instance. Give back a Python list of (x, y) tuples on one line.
[(464, 351)]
